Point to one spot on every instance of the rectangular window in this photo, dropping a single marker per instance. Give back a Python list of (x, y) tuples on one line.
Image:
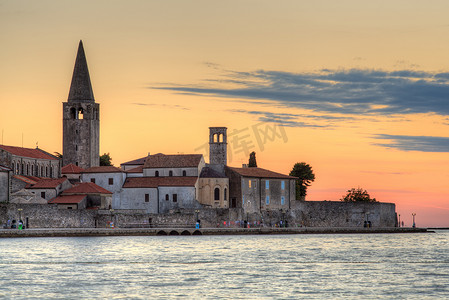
[(249, 183), (282, 199), (147, 197), (92, 180), (175, 197), (267, 184), (283, 184), (267, 200), (43, 195), (111, 181)]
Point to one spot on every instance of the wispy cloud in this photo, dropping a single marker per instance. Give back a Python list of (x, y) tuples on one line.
[(161, 105), (414, 143), (353, 91), (294, 120)]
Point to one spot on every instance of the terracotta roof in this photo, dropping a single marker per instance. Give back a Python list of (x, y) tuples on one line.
[(48, 183), (173, 161), (67, 199), (154, 182), (260, 173), (139, 161), (26, 179), (138, 169), (71, 169), (103, 169), (86, 188), (2, 168), (28, 152)]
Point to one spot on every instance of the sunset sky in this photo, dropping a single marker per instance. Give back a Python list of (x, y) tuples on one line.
[(357, 89)]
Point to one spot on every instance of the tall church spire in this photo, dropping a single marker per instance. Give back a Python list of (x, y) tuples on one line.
[(81, 88)]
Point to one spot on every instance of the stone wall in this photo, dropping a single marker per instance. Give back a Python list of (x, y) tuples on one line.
[(305, 213), (4, 186)]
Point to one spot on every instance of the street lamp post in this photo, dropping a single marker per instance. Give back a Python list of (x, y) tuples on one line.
[(413, 215)]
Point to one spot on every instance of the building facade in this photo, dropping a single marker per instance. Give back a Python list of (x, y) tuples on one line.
[(256, 189), (30, 162)]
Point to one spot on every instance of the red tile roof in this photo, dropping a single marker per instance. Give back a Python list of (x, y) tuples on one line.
[(139, 161), (154, 182), (28, 152), (173, 161), (86, 188), (67, 199), (3, 168), (138, 169), (48, 183), (260, 173), (71, 169), (26, 179), (103, 169)]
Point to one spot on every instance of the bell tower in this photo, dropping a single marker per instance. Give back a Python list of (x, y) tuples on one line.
[(218, 146), (81, 122)]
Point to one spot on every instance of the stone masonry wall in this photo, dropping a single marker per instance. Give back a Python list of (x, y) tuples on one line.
[(305, 213)]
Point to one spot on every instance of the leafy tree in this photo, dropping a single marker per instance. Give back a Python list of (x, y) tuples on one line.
[(357, 195), (252, 160), (305, 176), (105, 159)]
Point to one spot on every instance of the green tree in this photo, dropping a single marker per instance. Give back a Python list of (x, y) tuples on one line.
[(357, 195), (106, 159), (252, 160), (305, 176)]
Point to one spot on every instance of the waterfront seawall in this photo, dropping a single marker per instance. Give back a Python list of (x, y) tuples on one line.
[(75, 232), (309, 214)]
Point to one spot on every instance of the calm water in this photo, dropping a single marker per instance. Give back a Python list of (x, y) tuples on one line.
[(407, 266)]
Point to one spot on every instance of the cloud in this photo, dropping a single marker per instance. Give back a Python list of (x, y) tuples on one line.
[(294, 120), (353, 91), (161, 105), (414, 143)]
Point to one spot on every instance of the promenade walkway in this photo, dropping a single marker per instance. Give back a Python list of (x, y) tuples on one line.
[(66, 232)]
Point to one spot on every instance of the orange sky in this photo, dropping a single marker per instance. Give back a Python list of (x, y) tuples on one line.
[(359, 87)]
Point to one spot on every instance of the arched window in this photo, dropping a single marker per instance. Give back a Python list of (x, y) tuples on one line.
[(167, 197), (224, 194), (156, 174), (73, 113), (184, 173), (46, 172), (51, 171), (217, 194), (32, 170), (170, 173), (23, 169), (42, 172), (27, 169), (17, 168), (80, 113)]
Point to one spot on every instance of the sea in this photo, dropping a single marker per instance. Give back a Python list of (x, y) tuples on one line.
[(300, 266)]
